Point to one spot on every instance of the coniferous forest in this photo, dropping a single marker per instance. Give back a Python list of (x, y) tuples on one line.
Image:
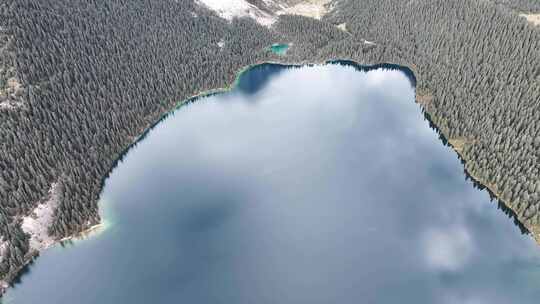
[(81, 80)]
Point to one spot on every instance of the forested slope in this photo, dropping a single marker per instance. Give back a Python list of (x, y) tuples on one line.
[(525, 6), (89, 76), (478, 67), (95, 74)]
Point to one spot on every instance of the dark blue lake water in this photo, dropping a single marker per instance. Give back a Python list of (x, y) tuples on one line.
[(310, 185)]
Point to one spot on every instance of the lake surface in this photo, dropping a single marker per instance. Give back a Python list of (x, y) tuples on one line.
[(310, 185), (279, 48)]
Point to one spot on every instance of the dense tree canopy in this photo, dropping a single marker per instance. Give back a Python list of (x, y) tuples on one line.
[(525, 6), (80, 80)]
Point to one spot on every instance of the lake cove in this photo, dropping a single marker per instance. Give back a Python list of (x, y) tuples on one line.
[(321, 184)]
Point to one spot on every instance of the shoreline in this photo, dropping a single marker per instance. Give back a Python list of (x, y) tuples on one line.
[(99, 227), (457, 146), (422, 99), (32, 255), (533, 231)]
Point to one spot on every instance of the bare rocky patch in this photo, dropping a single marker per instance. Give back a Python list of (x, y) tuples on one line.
[(343, 27), (37, 223), (10, 87), (424, 98)]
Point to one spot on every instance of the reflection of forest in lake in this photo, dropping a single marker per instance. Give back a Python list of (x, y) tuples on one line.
[(306, 185)]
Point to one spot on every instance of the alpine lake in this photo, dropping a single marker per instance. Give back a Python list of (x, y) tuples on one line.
[(312, 184)]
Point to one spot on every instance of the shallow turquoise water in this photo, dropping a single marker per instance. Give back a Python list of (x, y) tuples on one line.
[(280, 49)]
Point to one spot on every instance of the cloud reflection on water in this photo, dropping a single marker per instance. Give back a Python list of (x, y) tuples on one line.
[(324, 186)]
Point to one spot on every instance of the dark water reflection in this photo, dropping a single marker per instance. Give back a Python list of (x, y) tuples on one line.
[(330, 188)]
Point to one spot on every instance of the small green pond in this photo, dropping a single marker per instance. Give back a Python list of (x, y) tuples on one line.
[(279, 48)]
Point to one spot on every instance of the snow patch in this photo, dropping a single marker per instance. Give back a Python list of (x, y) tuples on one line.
[(268, 11), (3, 286), (308, 8), (221, 44), (3, 247), (11, 105), (343, 27), (230, 9), (369, 42), (532, 18), (37, 223)]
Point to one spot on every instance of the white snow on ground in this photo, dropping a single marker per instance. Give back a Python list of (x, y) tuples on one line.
[(37, 223), (3, 286), (308, 8), (369, 42), (3, 247), (343, 27), (532, 18), (229, 9), (11, 105), (221, 43)]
